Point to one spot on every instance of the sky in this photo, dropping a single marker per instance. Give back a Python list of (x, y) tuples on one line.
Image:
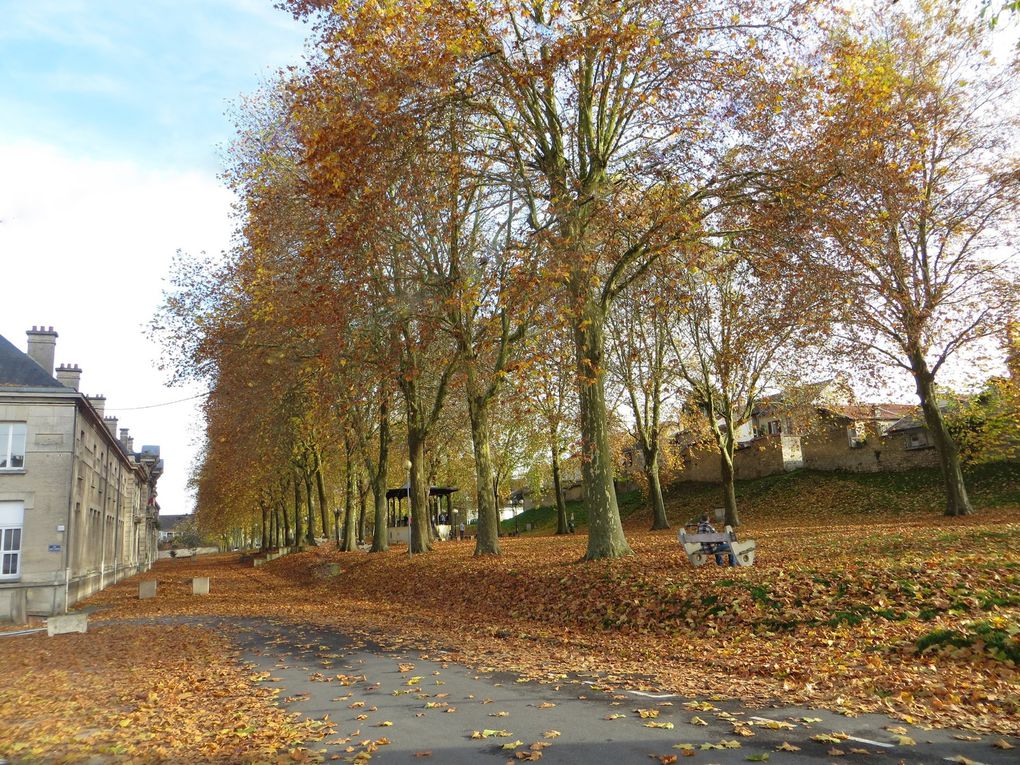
[(114, 117)]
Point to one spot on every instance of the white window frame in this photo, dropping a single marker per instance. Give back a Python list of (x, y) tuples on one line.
[(7, 455), (12, 539)]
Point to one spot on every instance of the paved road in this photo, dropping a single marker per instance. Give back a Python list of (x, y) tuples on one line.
[(434, 707)]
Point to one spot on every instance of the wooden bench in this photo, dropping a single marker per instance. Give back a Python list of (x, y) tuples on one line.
[(741, 553)]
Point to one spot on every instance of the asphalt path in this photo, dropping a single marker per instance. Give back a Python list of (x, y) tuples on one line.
[(413, 706)]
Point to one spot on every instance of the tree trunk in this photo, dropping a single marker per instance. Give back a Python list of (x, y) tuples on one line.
[(309, 502), (487, 541), (605, 532), (729, 492), (362, 490), (348, 542), (321, 492), (379, 480), (297, 512), (655, 502), (957, 501), (286, 521), (421, 538), (562, 524), (264, 536)]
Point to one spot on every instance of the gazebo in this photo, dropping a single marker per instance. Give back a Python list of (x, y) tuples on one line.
[(397, 514)]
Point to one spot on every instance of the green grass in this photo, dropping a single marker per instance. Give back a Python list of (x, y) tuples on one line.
[(819, 492), (1000, 643), (917, 490), (543, 519)]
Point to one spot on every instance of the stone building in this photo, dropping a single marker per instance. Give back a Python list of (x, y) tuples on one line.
[(77, 503), (819, 427)]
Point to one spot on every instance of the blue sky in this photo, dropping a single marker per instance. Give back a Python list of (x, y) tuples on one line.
[(150, 79), (112, 124)]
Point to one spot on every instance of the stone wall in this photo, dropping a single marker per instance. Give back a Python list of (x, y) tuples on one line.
[(828, 448)]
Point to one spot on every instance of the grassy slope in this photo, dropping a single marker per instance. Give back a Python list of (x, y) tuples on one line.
[(807, 494)]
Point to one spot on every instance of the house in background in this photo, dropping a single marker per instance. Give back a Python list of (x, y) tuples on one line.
[(168, 530), (816, 426), (77, 503)]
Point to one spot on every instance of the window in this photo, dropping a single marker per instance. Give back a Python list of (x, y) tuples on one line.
[(918, 440), (856, 434), (12, 515), (12, 445)]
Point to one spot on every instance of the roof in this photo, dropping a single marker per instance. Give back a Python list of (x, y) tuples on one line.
[(169, 522), (18, 370), (882, 412), (434, 491), (911, 422)]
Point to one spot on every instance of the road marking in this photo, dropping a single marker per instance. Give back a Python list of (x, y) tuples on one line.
[(870, 742), (654, 695), (849, 738), (638, 693)]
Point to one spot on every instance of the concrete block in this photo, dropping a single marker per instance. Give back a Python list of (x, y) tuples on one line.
[(19, 606), (258, 562), (200, 585), (147, 589), (61, 624)]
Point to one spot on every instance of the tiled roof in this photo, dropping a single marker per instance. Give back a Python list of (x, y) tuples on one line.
[(18, 370), (881, 412)]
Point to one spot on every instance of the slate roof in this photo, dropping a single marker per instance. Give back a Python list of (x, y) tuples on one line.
[(18, 370), (169, 522)]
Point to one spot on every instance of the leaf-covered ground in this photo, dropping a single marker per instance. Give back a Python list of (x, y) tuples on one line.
[(911, 614), (153, 694)]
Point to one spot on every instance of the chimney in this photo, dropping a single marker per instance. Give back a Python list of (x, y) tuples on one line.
[(128, 441), (69, 376), (42, 345), (98, 403), (111, 425)]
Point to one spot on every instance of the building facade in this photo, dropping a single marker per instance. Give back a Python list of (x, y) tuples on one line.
[(77, 503)]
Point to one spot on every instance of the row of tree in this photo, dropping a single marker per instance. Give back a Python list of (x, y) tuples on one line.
[(528, 213)]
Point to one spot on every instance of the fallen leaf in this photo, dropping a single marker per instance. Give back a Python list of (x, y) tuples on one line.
[(646, 713), (1002, 744), (763, 757), (512, 744), (787, 747), (697, 721), (551, 734), (532, 756), (666, 725)]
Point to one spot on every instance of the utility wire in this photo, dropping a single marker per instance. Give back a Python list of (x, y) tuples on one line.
[(156, 406)]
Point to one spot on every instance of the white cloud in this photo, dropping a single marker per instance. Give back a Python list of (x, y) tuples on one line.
[(86, 247)]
